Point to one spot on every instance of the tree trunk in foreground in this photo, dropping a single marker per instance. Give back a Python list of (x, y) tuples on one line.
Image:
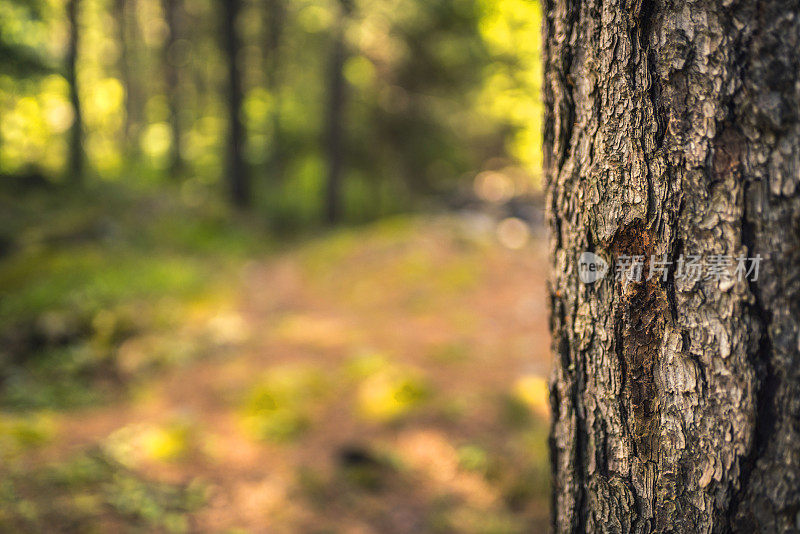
[(672, 129)]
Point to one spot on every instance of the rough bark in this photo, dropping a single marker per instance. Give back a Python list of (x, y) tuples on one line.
[(75, 161), (238, 180), (672, 128)]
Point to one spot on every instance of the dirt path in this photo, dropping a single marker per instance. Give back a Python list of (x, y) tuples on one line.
[(294, 424)]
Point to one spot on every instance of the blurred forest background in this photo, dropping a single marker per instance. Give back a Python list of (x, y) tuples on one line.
[(271, 266)]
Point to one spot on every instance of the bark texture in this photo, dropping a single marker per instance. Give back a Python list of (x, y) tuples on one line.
[(673, 127)]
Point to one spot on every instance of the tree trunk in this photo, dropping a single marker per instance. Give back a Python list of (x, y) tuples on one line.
[(172, 12), (75, 161), (335, 130), (127, 27), (274, 18), (672, 130), (237, 175)]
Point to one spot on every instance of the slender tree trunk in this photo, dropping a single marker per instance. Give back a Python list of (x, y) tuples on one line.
[(172, 13), (672, 129), (335, 130), (237, 174), (274, 17), (125, 12), (75, 162)]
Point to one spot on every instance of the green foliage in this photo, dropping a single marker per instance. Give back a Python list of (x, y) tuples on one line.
[(92, 493), (103, 266), (512, 82), (434, 89), (20, 434), (281, 406), (18, 55), (473, 458), (387, 392)]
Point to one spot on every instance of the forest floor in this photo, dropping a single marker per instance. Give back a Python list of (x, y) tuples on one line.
[(388, 378)]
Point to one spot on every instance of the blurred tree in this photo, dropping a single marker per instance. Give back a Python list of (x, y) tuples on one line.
[(334, 141), (173, 17), (237, 175), (75, 164), (429, 60), (128, 35), (274, 13), (405, 74)]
